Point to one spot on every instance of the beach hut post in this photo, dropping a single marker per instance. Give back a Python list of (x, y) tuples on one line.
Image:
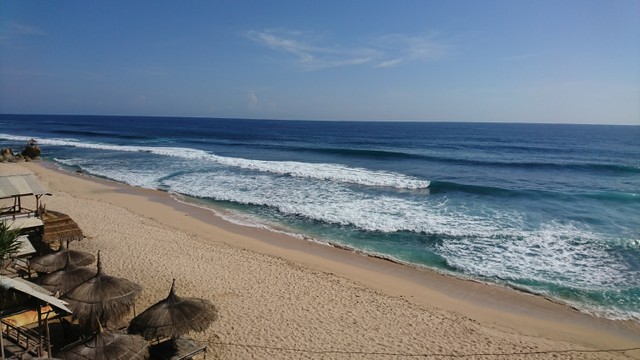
[(39, 330), (38, 196), (48, 333), (1, 341)]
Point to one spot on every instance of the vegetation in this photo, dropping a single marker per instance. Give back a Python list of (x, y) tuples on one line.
[(9, 243)]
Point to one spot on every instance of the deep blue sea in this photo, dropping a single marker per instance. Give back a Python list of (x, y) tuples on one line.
[(550, 209)]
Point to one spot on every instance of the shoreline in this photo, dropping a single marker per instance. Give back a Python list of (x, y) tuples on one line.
[(493, 306)]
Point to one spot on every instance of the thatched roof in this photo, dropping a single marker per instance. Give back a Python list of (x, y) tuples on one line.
[(60, 227), (58, 260), (107, 345), (102, 298), (66, 278), (174, 316)]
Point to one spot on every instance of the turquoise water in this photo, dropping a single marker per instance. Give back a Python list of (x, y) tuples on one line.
[(550, 209)]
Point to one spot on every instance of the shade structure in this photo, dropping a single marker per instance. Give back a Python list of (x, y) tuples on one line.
[(19, 185), (59, 227), (107, 345), (59, 259), (102, 298), (18, 295), (30, 290), (174, 316), (65, 279)]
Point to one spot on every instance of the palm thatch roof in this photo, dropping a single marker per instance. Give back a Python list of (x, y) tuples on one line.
[(174, 316), (59, 227), (66, 278), (102, 298), (107, 345), (58, 260)]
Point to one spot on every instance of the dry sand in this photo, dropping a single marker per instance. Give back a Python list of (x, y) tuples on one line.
[(285, 298)]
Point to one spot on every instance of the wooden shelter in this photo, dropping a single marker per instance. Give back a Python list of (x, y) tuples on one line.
[(21, 298), (15, 187)]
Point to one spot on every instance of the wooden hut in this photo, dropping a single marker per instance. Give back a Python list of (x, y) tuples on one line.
[(24, 306), (14, 186), (17, 186)]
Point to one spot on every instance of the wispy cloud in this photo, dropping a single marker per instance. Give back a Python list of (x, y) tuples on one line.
[(307, 55), (252, 100), (384, 51), (517, 57), (401, 48), (260, 104), (13, 29)]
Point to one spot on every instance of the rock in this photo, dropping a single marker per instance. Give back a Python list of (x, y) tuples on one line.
[(6, 155), (6, 152), (32, 150)]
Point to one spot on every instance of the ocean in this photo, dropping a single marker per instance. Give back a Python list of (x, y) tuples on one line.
[(548, 209)]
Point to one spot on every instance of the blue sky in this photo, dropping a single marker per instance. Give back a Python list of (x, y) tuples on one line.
[(533, 61)]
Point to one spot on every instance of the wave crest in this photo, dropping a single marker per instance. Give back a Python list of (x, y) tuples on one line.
[(318, 171)]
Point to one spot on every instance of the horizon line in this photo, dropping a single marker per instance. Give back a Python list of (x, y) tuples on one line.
[(328, 120)]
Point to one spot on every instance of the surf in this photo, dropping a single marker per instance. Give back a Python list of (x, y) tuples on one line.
[(319, 171)]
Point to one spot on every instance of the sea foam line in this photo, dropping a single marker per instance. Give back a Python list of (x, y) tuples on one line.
[(318, 171)]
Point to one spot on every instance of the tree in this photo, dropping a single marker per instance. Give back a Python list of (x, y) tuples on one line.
[(9, 243)]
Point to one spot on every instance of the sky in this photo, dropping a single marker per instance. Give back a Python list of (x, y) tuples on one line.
[(505, 61)]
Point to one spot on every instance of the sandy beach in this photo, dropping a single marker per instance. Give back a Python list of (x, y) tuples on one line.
[(286, 298)]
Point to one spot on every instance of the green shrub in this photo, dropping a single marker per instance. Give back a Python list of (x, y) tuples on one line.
[(9, 243)]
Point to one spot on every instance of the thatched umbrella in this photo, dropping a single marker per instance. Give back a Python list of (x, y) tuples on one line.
[(66, 278), (60, 228), (59, 259), (107, 345), (102, 298), (174, 316)]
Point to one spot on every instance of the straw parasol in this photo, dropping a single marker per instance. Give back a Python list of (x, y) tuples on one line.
[(66, 278), (60, 228), (174, 316), (58, 260), (103, 298), (107, 345)]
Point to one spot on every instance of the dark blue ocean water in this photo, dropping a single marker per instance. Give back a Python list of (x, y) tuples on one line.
[(551, 209)]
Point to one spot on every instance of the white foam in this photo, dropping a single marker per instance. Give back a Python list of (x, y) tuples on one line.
[(493, 243), (134, 177), (554, 253), (323, 201), (247, 220), (319, 171)]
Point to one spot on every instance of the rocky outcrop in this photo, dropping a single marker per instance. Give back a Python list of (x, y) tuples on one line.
[(6, 154), (32, 150)]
